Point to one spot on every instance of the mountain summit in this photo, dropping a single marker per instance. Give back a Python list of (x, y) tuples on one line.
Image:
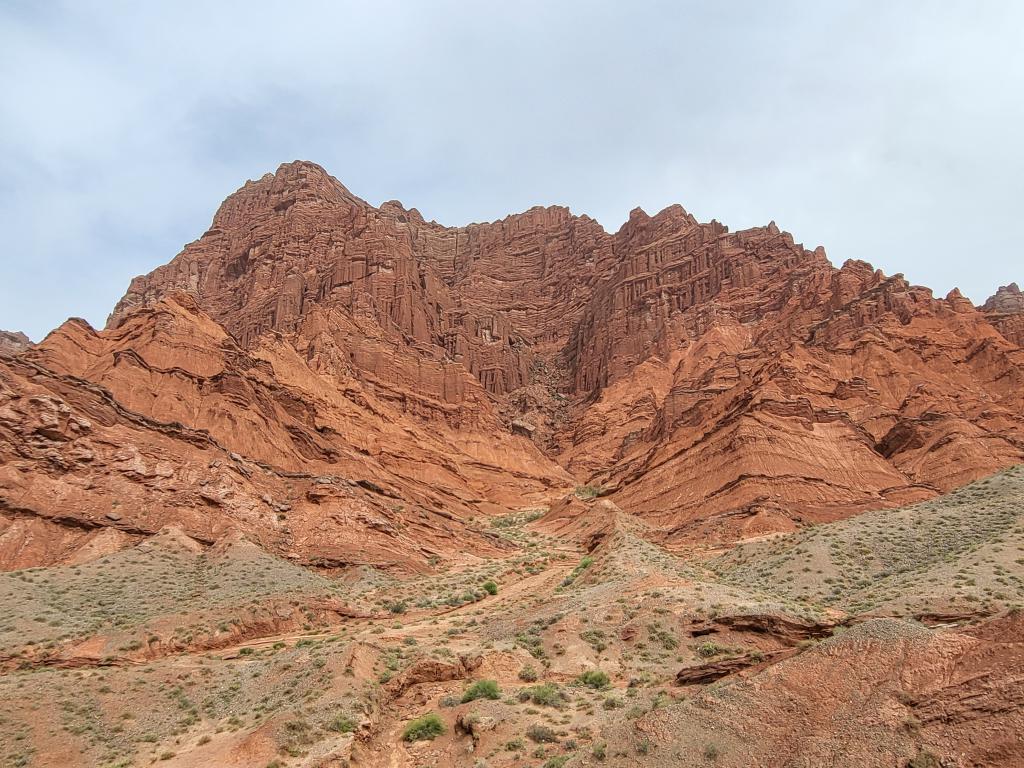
[(715, 383)]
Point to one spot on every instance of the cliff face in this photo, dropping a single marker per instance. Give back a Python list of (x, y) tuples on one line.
[(166, 420), (292, 247), (13, 342), (718, 384), (1005, 311)]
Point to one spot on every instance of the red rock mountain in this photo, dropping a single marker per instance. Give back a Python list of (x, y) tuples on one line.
[(349, 383), (1005, 310)]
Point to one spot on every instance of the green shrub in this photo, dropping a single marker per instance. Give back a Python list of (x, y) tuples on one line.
[(541, 734), (595, 638), (425, 728), (707, 649), (482, 689), (595, 678), (398, 606), (585, 563), (588, 491), (545, 694), (490, 587), (342, 724), (528, 674)]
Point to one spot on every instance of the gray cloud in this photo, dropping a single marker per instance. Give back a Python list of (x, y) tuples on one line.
[(884, 131)]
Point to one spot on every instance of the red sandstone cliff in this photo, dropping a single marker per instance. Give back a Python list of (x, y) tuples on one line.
[(718, 384)]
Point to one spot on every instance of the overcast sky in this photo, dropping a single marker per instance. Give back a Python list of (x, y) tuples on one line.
[(886, 131)]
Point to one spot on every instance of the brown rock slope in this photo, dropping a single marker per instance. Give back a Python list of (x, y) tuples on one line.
[(1005, 310), (717, 383), (166, 420), (13, 342)]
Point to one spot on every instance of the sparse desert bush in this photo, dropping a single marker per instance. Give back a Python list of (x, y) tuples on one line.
[(585, 563), (528, 674), (541, 734), (490, 587), (482, 689), (708, 649), (342, 724), (595, 678), (545, 694), (595, 638), (425, 728)]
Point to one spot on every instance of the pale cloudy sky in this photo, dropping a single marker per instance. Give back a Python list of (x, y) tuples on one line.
[(888, 131)]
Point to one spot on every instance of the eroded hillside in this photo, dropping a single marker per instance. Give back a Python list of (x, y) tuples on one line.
[(338, 486)]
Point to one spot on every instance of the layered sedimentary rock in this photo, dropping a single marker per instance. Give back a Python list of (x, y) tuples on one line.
[(165, 420), (1005, 310), (13, 342), (717, 384), (746, 385)]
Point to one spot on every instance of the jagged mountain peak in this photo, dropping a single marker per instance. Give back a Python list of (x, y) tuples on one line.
[(740, 361)]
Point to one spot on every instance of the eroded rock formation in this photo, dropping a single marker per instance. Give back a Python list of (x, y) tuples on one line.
[(357, 363), (1005, 310), (13, 342)]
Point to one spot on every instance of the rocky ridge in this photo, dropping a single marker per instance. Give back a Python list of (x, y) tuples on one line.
[(718, 385)]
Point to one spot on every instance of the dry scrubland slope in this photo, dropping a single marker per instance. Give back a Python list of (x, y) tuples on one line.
[(341, 486), (598, 649)]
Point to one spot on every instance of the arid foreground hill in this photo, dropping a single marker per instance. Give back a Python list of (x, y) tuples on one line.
[(672, 496)]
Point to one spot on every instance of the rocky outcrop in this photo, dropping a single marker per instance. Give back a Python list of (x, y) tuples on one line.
[(1009, 298), (1005, 311), (716, 384), (296, 252), (735, 385), (166, 420), (13, 342)]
